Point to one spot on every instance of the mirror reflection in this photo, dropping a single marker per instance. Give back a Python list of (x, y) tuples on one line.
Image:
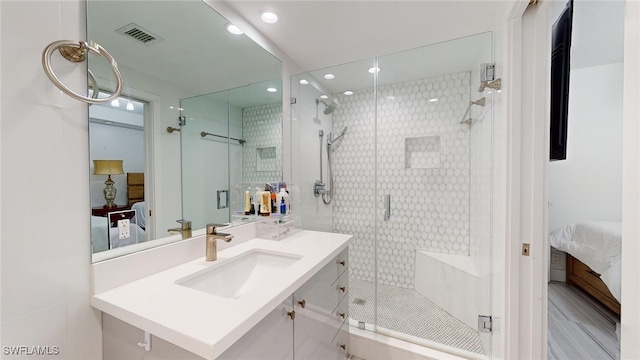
[(239, 129), (136, 165)]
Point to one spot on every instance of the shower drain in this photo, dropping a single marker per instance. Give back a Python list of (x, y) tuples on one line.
[(359, 301)]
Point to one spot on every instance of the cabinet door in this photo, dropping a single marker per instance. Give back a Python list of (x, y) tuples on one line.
[(270, 339), (318, 323)]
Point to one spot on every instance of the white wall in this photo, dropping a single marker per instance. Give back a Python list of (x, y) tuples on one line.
[(205, 160), (44, 165), (588, 184), (629, 348), (119, 143)]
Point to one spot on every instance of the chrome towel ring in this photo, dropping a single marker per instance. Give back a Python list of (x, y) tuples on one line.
[(75, 51)]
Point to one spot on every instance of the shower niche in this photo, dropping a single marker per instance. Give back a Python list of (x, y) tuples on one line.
[(422, 152)]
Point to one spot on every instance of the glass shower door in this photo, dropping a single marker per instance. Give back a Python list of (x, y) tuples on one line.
[(430, 191), (205, 159)]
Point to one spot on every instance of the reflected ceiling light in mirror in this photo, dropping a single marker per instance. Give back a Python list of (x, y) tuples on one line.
[(269, 17), (391, 97), (115, 102), (329, 76), (234, 29), (374, 70), (433, 100), (348, 93), (130, 105), (272, 90), (304, 82), (324, 97)]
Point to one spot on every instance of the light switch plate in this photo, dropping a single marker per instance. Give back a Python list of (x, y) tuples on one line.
[(124, 229)]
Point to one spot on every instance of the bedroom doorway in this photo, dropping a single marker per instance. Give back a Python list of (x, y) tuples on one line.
[(118, 137), (584, 191)]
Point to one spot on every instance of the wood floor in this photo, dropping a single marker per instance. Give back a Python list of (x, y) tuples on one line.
[(579, 327)]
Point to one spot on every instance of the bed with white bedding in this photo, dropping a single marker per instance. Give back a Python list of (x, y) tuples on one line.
[(593, 261)]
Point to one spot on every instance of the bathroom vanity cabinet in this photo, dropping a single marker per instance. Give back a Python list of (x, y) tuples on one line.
[(310, 324)]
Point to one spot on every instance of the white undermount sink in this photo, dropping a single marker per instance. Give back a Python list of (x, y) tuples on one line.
[(233, 277)]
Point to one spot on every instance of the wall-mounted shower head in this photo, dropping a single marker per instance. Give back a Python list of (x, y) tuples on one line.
[(329, 108)]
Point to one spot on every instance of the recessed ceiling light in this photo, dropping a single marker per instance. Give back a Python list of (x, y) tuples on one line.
[(234, 29), (269, 17), (181, 109), (348, 92), (115, 103), (130, 106), (433, 100), (391, 97), (374, 70), (171, 107), (324, 97), (272, 90), (304, 82), (329, 76)]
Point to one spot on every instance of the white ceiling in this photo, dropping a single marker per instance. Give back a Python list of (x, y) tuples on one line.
[(449, 57), (318, 34), (196, 52), (597, 33)]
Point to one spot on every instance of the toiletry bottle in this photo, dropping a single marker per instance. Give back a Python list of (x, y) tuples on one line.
[(265, 201), (252, 209), (284, 195), (247, 202), (274, 204), (283, 207)]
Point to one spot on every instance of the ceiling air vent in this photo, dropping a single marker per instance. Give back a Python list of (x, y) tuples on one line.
[(137, 32)]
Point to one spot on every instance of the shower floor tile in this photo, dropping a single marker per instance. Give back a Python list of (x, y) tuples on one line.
[(408, 312)]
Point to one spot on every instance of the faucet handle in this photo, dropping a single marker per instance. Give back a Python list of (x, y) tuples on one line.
[(186, 224), (211, 228)]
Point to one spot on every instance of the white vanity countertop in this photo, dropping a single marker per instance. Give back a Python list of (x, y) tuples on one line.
[(206, 324)]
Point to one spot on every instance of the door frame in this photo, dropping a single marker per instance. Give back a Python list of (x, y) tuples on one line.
[(525, 190)]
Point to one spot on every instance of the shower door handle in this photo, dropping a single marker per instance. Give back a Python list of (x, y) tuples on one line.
[(387, 207)]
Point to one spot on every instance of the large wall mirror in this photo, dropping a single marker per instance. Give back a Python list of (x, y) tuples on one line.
[(199, 104)]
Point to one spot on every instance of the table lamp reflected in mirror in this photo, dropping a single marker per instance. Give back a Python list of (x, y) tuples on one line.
[(108, 167)]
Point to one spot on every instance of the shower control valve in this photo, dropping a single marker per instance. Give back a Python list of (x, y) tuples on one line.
[(319, 188)]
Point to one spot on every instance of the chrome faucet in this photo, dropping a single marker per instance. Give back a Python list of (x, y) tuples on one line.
[(184, 229), (212, 244)]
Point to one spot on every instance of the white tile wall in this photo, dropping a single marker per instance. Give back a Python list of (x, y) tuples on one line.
[(45, 184), (430, 206), (262, 128)]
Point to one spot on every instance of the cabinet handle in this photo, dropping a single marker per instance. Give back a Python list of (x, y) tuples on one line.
[(302, 303), (342, 288), (342, 263), (342, 315), (292, 314), (343, 346)]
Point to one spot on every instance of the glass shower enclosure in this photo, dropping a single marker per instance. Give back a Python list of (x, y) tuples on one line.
[(411, 182)]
